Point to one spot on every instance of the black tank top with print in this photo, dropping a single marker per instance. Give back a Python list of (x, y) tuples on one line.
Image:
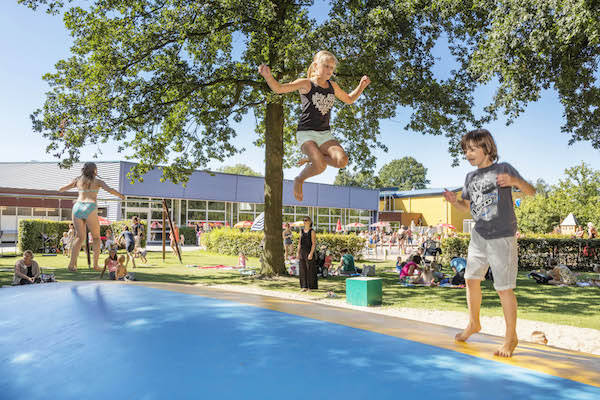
[(316, 108)]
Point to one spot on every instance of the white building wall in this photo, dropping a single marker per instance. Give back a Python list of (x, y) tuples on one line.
[(48, 176)]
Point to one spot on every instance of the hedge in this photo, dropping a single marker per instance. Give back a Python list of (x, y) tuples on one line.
[(231, 241), (577, 254), (30, 230)]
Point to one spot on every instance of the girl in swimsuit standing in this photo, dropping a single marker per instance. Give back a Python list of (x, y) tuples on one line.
[(85, 210)]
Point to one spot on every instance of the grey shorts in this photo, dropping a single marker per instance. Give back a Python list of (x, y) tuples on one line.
[(501, 255), (319, 137)]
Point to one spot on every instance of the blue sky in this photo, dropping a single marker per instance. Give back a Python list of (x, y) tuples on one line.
[(32, 42)]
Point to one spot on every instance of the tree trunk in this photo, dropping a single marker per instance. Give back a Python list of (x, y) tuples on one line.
[(274, 263)]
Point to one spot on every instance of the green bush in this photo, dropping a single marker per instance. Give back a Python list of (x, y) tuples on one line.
[(189, 234), (30, 230), (29, 238), (231, 241), (454, 247), (577, 254)]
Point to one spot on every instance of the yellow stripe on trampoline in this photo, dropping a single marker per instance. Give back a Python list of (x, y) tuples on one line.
[(576, 366)]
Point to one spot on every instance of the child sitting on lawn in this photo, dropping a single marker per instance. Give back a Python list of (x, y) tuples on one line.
[(111, 264), (122, 274), (242, 260)]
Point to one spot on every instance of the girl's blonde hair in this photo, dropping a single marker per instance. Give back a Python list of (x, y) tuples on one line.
[(318, 58), (121, 259)]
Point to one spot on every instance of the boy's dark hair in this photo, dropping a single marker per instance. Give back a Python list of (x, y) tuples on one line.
[(345, 250), (480, 138)]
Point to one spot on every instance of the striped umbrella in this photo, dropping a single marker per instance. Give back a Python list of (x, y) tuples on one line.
[(259, 223)]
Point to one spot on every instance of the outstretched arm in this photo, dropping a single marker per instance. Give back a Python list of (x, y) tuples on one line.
[(280, 88), (355, 94), (463, 205), (525, 187), (69, 186), (110, 190)]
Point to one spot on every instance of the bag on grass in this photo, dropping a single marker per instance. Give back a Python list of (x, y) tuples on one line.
[(540, 278), (368, 270)]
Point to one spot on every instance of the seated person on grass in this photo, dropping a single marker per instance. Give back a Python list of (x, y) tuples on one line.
[(26, 270), (346, 266), (122, 274), (561, 274), (409, 269), (111, 264)]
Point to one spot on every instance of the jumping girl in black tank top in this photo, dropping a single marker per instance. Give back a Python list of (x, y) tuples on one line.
[(317, 93)]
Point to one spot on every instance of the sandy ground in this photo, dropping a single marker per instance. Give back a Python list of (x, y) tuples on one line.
[(567, 337)]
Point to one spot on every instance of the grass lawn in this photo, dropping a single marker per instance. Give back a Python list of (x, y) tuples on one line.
[(560, 305)]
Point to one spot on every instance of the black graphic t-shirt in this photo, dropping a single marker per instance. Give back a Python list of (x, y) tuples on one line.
[(491, 205), (316, 108)]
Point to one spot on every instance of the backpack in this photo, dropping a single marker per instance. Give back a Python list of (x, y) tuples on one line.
[(540, 278), (459, 278)]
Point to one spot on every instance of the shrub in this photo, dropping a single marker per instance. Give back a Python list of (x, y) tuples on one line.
[(189, 234), (30, 230), (231, 241), (577, 254)]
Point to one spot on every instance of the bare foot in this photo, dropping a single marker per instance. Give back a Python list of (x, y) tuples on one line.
[(468, 331), (304, 290), (507, 349), (302, 161), (298, 189)]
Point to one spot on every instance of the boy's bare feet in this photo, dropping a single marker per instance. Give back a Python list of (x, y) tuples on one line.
[(298, 189), (507, 349), (303, 161), (468, 331)]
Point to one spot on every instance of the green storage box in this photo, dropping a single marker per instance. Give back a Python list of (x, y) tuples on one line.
[(364, 291)]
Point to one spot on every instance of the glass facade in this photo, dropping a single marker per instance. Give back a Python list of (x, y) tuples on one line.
[(218, 213)]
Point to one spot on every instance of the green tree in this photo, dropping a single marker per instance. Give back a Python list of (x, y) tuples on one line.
[(239, 169), (161, 77), (578, 193), (363, 179), (541, 187), (405, 173), (528, 47)]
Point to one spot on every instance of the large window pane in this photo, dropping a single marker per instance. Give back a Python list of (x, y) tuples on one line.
[(323, 211), (216, 205), (246, 207), (246, 217), (323, 220), (24, 211), (260, 208), (137, 202), (302, 210), (288, 209), (13, 210), (197, 215), (336, 211), (197, 205), (39, 212), (216, 216)]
